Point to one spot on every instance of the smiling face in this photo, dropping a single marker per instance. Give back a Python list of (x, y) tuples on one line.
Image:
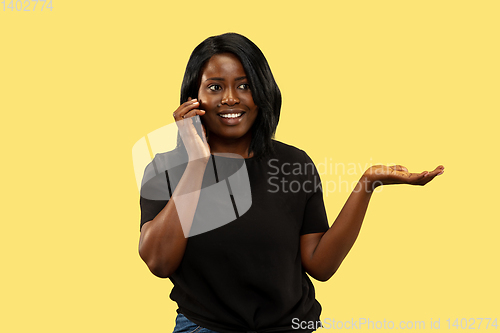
[(226, 97)]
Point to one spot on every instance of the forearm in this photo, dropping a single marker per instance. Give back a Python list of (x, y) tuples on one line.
[(322, 254), (336, 243), (163, 240)]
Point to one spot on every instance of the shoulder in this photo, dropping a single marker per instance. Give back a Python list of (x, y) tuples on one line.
[(288, 151), (168, 160), (288, 154), (162, 162)]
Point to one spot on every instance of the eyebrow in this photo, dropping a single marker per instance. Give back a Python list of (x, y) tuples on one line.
[(222, 79)]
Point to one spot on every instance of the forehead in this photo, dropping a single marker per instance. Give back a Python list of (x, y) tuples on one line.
[(223, 65)]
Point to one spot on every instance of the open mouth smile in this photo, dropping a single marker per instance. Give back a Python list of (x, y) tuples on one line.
[(230, 115)]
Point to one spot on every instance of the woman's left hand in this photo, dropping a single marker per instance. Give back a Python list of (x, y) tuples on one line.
[(397, 174)]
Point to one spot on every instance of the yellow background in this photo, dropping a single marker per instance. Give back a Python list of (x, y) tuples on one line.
[(364, 82)]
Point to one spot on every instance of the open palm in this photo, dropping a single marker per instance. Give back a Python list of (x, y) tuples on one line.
[(398, 174)]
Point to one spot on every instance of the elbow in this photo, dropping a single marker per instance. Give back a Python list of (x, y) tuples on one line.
[(161, 273), (158, 270), (157, 267), (319, 273), (322, 279), (322, 276)]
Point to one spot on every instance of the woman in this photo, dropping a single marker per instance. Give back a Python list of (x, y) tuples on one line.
[(248, 275)]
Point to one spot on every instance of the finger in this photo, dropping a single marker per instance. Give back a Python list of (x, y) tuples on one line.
[(416, 177), (430, 175), (188, 103), (437, 171), (185, 108), (193, 113), (427, 178), (440, 170)]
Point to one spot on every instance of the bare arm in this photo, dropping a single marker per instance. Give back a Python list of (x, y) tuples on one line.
[(163, 240), (322, 253)]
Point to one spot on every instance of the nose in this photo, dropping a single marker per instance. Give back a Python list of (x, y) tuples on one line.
[(230, 97)]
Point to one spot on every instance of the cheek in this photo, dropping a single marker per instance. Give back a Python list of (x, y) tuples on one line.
[(203, 100), (200, 95), (206, 100), (250, 102)]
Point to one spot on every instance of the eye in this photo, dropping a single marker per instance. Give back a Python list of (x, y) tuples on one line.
[(244, 86), (214, 87)]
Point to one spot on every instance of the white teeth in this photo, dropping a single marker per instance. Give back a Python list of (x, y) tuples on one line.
[(230, 115)]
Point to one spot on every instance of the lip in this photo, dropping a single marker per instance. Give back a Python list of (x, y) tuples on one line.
[(228, 111), (231, 121)]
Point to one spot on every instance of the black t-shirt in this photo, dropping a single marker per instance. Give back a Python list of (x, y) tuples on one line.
[(247, 276)]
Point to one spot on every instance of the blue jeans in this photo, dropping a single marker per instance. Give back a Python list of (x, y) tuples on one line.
[(184, 325)]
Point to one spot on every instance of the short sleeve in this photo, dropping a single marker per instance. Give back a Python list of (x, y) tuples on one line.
[(160, 179), (315, 219), (150, 208), (155, 190)]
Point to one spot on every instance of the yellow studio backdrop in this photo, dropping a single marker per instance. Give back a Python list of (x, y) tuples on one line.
[(363, 82)]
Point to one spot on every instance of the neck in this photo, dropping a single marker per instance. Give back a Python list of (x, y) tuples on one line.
[(238, 146)]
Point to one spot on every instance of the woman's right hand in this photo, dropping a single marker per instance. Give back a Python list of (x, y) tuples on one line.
[(196, 147)]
